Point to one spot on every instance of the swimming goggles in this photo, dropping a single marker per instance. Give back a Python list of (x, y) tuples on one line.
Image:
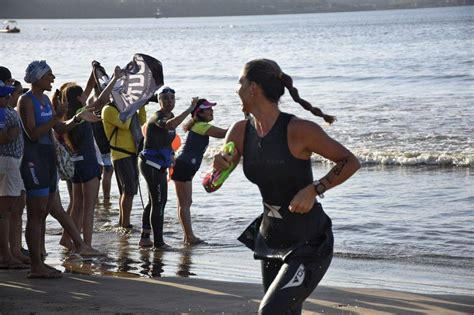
[(167, 90)]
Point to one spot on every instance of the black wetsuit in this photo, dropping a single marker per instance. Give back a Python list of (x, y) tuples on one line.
[(296, 249), (157, 144)]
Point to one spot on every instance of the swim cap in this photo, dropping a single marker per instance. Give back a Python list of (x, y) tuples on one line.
[(36, 70), (166, 89), (6, 89)]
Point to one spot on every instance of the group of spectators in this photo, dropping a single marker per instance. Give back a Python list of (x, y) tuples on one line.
[(32, 127)]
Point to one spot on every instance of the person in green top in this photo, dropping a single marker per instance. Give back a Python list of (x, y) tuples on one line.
[(188, 162)]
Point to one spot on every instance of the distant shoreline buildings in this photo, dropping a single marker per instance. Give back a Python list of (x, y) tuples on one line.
[(24, 9)]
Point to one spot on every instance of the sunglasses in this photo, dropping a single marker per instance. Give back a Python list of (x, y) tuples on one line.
[(167, 90)]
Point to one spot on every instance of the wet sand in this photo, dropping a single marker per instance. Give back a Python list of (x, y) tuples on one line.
[(104, 294)]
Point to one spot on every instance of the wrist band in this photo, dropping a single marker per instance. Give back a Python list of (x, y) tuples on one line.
[(317, 184)]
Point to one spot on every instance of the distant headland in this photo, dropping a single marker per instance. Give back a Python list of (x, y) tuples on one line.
[(64, 9)]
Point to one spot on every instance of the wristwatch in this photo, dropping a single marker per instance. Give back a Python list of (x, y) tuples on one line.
[(319, 188)]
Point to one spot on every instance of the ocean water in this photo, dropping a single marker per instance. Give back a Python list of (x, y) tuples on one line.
[(401, 84)]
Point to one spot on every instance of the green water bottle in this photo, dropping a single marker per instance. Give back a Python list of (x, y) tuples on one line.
[(214, 179)]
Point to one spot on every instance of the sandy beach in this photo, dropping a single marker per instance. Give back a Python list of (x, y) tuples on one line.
[(400, 84), (102, 294)]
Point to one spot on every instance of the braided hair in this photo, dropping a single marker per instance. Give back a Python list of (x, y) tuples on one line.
[(273, 81)]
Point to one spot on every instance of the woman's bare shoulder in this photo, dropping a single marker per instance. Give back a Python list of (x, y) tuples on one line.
[(24, 101), (238, 126), (303, 126)]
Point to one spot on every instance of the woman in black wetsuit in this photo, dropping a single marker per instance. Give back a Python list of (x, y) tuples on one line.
[(155, 159), (293, 237)]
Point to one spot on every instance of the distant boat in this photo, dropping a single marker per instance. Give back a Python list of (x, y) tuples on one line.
[(10, 27)]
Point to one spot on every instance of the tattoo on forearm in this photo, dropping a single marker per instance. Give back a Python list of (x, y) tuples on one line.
[(337, 170)]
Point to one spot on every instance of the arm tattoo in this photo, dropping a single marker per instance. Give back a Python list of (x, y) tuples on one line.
[(337, 170)]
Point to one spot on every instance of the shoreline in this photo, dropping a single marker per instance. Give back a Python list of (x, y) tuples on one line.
[(105, 294)]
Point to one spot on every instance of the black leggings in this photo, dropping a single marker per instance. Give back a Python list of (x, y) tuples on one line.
[(287, 285), (154, 212)]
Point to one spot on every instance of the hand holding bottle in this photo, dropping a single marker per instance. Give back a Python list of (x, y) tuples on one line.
[(214, 178)]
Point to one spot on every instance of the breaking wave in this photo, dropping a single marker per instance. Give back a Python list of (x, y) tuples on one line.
[(400, 158)]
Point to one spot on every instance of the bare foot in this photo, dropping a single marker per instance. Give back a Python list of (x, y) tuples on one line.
[(44, 272), (162, 246), (87, 251), (145, 242), (21, 257), (193, 240), (12, 263), (66, 242)]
